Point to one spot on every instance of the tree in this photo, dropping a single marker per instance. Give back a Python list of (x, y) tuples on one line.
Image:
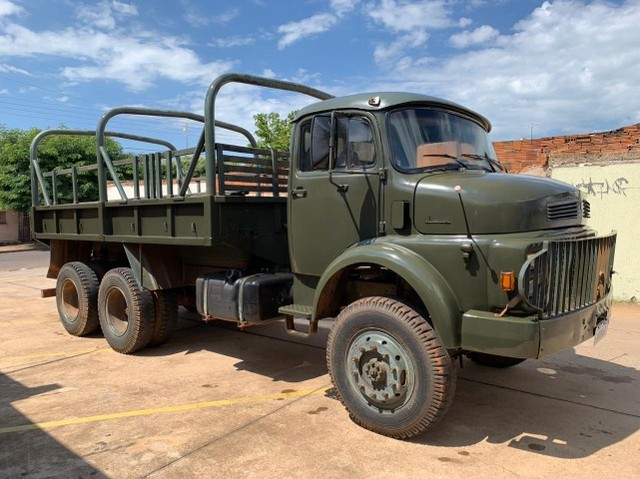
[(272, 131), (57, 152)]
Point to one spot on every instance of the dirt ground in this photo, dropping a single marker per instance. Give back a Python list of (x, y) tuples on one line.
[(217, 402)]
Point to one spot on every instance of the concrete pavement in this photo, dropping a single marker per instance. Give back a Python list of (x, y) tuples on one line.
[(217, 402)]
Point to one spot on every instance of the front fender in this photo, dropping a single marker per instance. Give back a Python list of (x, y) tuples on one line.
[(428, 283)]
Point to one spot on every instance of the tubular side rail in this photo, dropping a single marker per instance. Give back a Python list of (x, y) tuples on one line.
[(36, 172), (105, 161), (209, 110)]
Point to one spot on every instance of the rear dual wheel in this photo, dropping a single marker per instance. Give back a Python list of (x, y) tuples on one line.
[(126, 311), (77, 298), (389, 368)]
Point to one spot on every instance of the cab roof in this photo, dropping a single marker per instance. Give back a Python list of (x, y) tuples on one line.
[(379, 101)]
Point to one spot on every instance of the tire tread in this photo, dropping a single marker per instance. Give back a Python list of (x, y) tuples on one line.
[(442, 368)]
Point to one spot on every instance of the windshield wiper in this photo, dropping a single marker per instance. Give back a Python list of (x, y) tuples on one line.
[(495, 164), (451, 157)]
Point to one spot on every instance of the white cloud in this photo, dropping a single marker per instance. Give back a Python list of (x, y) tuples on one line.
[(319, 23), (226, 16), (233, 41), (343, 6), (133, 57), (105, 14), (480, 35), (9, 69), (4, 91), (195, 19), (9, 8), (409, 16), (384, 53), (295, 31), (411, 21), (570, 66)]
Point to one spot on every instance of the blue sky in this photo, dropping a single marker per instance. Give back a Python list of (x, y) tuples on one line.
[(559, 67)]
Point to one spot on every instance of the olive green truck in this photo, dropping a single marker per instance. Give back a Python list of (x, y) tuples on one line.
[(390, 214)]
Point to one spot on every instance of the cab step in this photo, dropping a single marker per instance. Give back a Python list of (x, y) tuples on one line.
[(297, 310), (301, 311)]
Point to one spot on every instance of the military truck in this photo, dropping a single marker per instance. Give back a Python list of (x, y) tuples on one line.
[(390, 214)]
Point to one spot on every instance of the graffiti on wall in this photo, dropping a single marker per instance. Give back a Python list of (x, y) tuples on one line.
[(609, 186)]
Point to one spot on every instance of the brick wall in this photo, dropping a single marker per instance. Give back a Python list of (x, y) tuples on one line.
[(618, 145)]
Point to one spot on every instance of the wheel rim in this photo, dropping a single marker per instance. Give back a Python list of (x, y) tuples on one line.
[(380, 370), (70, 301), (116, 311)]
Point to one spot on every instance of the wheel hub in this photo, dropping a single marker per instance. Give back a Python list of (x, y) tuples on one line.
[(380, 369)]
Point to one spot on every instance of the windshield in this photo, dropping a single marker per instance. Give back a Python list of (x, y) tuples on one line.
[(423, 138)]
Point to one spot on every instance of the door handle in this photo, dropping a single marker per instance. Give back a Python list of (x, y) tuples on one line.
[(299, 193)]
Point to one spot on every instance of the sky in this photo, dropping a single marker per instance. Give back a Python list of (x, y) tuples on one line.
[(533, 68)]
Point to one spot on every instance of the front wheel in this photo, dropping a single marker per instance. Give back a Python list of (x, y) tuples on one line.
[(389, 368)]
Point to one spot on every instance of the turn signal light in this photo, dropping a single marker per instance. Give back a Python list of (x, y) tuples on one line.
[(508, 281)]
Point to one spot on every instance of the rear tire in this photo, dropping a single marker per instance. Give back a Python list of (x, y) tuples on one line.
[(77, 298), (493, 361), (389, 368), (166, 307), (126, 311)]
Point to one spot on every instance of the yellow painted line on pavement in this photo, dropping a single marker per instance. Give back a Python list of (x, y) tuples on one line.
[(163, 410), (55, 354)]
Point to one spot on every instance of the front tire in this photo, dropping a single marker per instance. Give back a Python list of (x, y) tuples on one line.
[(389, 368), (126, 311), (77, 298)]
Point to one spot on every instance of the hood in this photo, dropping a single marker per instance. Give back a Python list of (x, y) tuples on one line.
[(494, 203)]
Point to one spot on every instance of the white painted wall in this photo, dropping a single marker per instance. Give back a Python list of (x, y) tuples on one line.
[(614, 193)]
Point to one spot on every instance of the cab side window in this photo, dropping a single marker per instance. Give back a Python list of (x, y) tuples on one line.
[(320, 137), (353, 144)]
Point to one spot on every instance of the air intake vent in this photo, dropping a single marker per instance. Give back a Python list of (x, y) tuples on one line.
[(563, 210), (586, 209)]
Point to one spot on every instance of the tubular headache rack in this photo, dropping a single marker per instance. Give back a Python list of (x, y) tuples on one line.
[(568, 275), (267, 163)]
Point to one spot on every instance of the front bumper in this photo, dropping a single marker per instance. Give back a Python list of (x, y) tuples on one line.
[(530, 336)]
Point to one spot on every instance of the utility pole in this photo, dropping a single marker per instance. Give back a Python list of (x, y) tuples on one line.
[(531, 125)]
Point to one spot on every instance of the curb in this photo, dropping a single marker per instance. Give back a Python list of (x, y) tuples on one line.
[(14, 248)]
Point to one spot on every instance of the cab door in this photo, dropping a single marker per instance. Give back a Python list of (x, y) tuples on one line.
[(334, 189)]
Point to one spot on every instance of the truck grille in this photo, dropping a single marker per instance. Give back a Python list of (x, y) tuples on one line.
[(561, 210), (568, 275), (586, 209)]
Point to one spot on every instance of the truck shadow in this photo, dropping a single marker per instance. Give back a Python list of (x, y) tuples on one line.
[(567, 406), (33, 452), (265, 350)]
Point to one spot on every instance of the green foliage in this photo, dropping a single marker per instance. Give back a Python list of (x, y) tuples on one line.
[(57, 152), (273, 131)]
